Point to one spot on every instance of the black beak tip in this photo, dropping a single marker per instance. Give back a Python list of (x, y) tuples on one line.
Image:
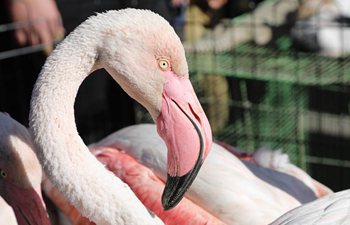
[(166, 204), (176, 187), (173, 192)]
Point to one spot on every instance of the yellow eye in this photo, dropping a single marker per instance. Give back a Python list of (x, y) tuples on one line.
[(3, 173), (164, 64)]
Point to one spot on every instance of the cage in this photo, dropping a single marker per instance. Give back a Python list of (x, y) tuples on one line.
[(262, 85)]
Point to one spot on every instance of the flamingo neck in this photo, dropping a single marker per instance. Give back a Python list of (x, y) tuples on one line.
[(66, 160)]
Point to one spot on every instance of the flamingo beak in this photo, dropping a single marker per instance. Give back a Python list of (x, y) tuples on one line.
[(28, 205), (186, 131)]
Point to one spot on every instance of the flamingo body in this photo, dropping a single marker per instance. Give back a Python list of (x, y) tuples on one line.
[(331, 209), (283, 181), (280, 172), (224, 187), (274, 167), (278, 161), (148, 189)]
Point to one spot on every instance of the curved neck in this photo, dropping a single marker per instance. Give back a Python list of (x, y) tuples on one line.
[(96, 192)]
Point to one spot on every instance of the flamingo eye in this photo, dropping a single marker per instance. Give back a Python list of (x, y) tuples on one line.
[(164, 64), (3, 173)]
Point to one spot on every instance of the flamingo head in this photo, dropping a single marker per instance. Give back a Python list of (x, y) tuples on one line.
[(148, 61), (20, 173)]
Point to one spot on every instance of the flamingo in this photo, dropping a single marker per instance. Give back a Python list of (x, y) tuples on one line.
[(142, 52), (331, 209), (225, 187), (17, 150), (21, 174)]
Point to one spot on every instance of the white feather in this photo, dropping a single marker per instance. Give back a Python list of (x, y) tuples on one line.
[(332, 209)]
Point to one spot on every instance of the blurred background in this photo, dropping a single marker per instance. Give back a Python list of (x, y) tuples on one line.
[(269, 73)]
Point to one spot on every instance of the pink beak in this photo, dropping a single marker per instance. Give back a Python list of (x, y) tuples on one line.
[(186, 131), (27, 204)]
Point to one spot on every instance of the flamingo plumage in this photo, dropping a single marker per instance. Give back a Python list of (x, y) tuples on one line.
[(143, 182), (224, 187), (142, 52), (331, 209), (276, 160), (279, 161)]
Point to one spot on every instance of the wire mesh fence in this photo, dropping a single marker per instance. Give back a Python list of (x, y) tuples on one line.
[(261, 87), (259, 84)]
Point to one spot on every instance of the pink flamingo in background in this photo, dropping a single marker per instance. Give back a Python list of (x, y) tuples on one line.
[(142, 52), (19, 162)]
